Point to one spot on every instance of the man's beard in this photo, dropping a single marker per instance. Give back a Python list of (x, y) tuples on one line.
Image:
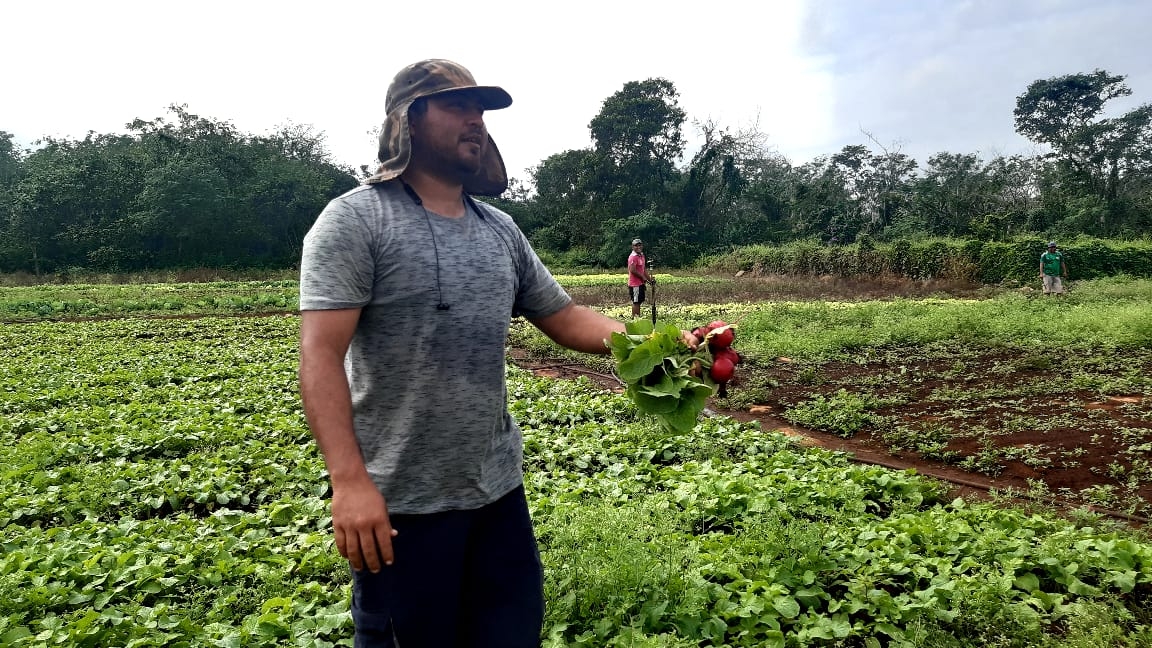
[(451, 164)]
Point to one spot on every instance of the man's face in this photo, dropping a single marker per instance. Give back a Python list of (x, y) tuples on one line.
[(450, 137), (637, 247)]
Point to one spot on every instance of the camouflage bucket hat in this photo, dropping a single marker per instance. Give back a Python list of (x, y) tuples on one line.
[(424, 79)]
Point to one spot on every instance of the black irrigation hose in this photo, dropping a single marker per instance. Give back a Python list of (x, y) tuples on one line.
[(578, 368)]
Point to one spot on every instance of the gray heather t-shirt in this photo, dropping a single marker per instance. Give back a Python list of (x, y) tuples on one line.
[(428, 394)]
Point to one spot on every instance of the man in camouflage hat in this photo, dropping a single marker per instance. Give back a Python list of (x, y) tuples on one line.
[(407, 287)]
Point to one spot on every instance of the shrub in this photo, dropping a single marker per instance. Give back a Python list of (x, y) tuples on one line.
[(985, 261)]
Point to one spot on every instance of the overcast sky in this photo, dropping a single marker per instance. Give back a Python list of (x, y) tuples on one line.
[(919, 75)]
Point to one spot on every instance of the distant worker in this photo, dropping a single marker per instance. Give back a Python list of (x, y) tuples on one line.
[(638, 276), (1052, 270)]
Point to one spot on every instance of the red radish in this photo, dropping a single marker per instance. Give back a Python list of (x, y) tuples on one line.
[(729, 353), (716, 324), (722, 370), (722, 338)]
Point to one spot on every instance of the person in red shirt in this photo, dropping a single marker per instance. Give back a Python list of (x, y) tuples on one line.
[(638, 276)]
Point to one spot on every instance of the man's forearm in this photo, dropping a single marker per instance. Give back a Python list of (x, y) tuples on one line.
[(328, 408), (580, 328)]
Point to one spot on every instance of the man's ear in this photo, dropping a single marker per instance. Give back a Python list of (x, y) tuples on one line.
[(412, 137)]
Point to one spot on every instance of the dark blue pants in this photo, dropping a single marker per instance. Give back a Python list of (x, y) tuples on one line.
[(460, 578)]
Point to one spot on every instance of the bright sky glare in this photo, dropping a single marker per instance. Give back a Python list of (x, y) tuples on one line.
[(814, 75)]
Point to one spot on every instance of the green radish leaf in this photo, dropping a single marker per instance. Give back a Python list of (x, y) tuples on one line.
[(787, 607), (15, 634), (639, 364), (1027, 581), (654, 404), (638, 327), (692, 401), (621, 346), (665, 386)]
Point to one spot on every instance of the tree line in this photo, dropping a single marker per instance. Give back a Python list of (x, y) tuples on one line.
[(1096, 180), (177, 192), (187, 191)]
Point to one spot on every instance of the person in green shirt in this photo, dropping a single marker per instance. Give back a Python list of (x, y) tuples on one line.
[(1053, 270)]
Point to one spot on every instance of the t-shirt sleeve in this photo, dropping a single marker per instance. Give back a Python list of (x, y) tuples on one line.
[(336, 267), (539, 294)]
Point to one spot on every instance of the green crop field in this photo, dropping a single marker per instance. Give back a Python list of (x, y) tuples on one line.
[(162, 489)]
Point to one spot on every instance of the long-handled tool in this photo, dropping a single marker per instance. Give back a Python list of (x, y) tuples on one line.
[(653, 304)]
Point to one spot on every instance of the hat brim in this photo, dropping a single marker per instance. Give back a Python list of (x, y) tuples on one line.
[(491, 97)]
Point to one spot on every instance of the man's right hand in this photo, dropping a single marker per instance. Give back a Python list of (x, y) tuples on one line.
[(360, 522)]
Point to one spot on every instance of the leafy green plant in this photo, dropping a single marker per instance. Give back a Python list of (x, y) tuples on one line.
[(843, 413), (930, 440), (988, 460), (162, 489)]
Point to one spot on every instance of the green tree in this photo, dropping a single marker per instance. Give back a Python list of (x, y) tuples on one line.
[(821, 204), (9, 161), (764, 213), (217, 196), (516, 201), (887, 188), (671, 242), (70, 202), (735, 191), (567, 209), (955, 191), (1098, 157), (1015, 183), (10, 170), (174, 192), (184, 215), (292, 178), (717, 176), (637, 136)]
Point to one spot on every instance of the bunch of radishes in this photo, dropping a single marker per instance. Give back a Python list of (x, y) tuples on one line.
[(719, 336)]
